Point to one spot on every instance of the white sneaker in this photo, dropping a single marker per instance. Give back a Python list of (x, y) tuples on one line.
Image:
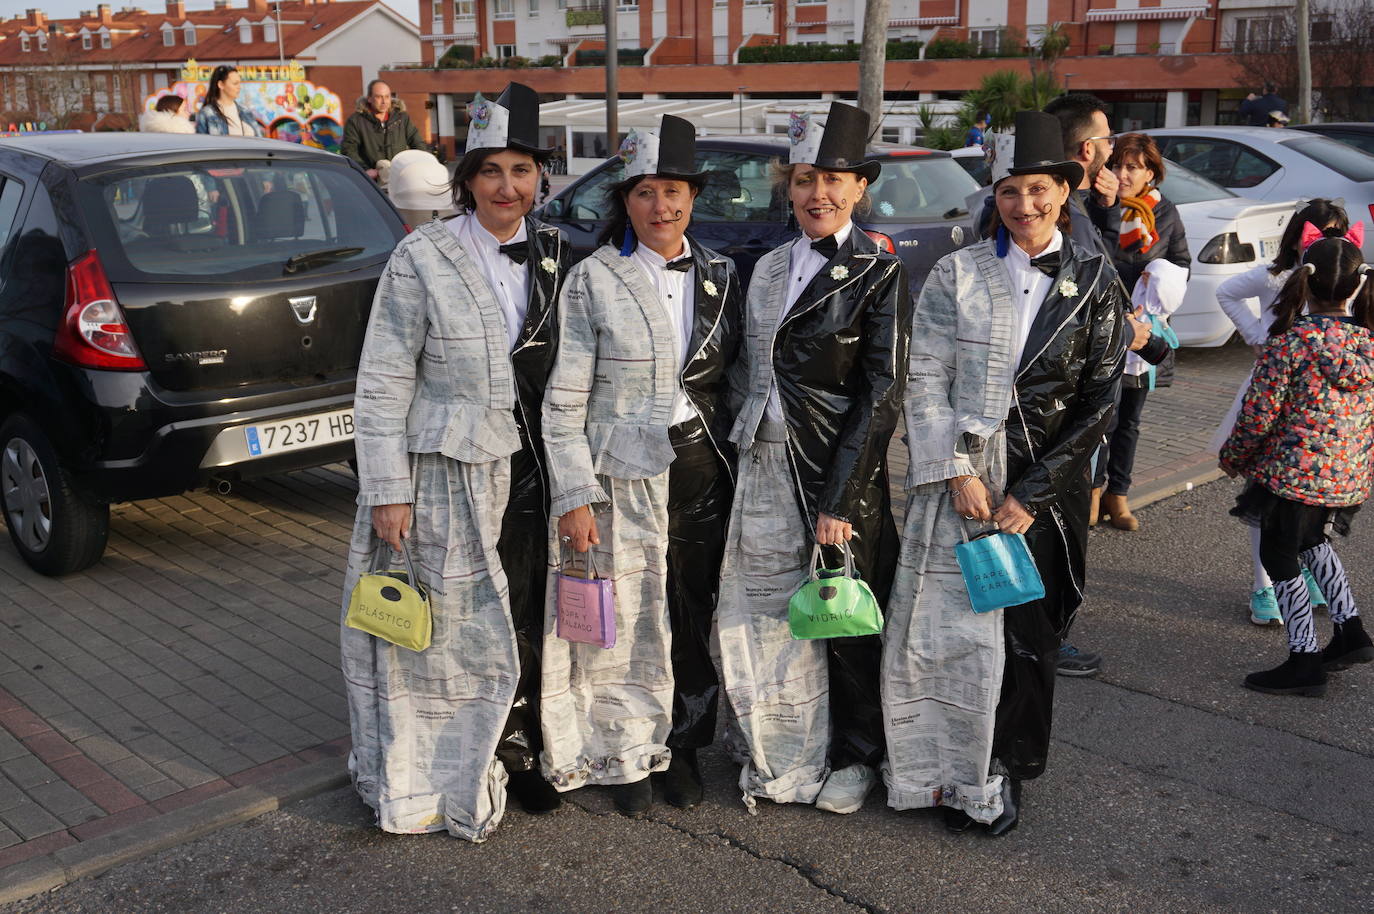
[(844, 790)]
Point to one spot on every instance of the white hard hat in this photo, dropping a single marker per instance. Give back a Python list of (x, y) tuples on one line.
[(422, 185)]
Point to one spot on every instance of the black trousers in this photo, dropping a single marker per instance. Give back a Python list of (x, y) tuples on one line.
[(523, 547), (699, 497), (1116, 458)]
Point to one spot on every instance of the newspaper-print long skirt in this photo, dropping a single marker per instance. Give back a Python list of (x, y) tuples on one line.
[(941, 673), (426, 725), (778, 688), (607, 713)]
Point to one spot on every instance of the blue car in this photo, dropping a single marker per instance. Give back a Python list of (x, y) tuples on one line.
[(918, 203)]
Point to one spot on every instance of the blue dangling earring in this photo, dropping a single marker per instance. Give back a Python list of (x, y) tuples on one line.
[(1003, 241), (628, 246)]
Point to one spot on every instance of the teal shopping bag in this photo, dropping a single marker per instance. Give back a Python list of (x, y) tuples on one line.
[(998, 569)]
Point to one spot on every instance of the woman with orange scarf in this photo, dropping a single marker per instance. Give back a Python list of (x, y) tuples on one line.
[(1151, 231)]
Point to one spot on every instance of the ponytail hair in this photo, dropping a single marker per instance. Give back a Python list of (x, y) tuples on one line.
[(1331, 271), (1326, 215)]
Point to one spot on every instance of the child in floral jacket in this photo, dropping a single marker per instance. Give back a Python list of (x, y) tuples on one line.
[(1304, 439)]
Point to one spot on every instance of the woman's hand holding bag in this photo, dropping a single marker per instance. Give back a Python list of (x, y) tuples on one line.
[(392, 523), (833, 603), (970, 498), (578, 529)]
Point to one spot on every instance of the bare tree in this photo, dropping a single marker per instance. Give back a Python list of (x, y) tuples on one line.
[(56, 89), (873, 60), (1342, 58)]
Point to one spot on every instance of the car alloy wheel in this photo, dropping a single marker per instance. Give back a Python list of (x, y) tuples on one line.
[(28, 506)]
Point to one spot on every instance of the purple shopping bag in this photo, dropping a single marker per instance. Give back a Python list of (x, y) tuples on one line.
[(586, 604)]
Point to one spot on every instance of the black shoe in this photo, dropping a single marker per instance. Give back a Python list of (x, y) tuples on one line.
[(1349, 644), (682, 782), (1073, 662), (1300, 674), (956, 820), (1011, 809), (535, 795), (633, 799)]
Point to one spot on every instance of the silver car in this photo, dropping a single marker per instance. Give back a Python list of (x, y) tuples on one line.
[(1276, 164)]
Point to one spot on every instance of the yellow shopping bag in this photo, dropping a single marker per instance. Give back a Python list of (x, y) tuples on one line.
[(392, 605)]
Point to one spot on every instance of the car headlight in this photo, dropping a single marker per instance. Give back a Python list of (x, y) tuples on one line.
[(1226, 248)]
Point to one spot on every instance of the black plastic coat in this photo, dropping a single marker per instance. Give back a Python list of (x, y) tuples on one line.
[(700, 487), (1066, 390), (840, 359), (523, 545)]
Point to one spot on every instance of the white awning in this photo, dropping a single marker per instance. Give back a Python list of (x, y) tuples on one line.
[(714, 115), (922, 22), (1148, 13)]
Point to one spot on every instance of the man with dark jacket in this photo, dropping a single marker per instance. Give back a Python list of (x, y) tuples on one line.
[(1256, 109), (1095, 224), (379, 129)]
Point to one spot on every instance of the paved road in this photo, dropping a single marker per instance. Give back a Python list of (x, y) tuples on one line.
[(1170, 789)]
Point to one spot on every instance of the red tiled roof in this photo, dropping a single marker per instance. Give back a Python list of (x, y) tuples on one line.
[(136, 37)]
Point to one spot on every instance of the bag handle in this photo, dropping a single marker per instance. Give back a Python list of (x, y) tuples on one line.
[(963, 524), (385, 551), (816, 560), (565, 546)]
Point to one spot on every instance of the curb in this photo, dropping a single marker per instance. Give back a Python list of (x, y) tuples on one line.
[(1176, 482), (90, 858)]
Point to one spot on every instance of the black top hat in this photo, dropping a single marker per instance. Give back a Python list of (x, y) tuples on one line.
[(671, 153), (517, 129), (1039, 149), (842, 144)]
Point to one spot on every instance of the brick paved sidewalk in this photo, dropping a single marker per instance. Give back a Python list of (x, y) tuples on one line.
[(202, 653)]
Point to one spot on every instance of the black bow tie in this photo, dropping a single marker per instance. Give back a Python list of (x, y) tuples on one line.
[(682, 264), (1047, 263), (827, 247), (518, 251)]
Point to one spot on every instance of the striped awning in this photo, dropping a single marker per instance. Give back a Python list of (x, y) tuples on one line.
[(922, 22), (1148, 13), (798, 24)]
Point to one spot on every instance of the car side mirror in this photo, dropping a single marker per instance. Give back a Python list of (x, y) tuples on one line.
[(554, 208)]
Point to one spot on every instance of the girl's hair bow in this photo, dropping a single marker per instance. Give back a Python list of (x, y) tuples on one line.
[(1311, 234)]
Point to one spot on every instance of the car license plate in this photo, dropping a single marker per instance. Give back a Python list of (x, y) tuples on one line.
[(302, 431), (1269, 248)]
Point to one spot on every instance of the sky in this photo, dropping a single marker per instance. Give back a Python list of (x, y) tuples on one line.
[(66, 9)]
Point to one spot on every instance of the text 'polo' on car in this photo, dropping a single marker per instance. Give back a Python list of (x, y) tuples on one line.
[(1277, 164), (917, 213), (174, 310)]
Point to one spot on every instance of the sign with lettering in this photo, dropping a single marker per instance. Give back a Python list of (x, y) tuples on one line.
[(286, 104)]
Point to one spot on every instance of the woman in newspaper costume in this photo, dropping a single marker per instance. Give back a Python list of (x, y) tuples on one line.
[(634, 427), (1015, 365), (458, 350), (821, 377)]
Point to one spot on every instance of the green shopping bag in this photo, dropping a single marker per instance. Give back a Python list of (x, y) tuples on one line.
[(833, 603)]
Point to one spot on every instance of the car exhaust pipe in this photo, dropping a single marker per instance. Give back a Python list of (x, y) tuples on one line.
[(223, 486)]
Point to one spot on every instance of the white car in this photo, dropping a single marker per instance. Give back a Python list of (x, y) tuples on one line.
[(1276, 164), (1226, 235)]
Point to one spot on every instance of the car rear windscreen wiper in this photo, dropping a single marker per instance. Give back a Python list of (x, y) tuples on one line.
[(312, 257), (955, 213)]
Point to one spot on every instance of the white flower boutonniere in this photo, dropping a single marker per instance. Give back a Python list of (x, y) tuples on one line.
[(1068, 288), (710, 288), (839, 272), (549, 264)]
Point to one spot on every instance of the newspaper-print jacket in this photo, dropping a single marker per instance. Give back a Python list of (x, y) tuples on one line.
[(610, 398), (1036, 429), (437, 374)]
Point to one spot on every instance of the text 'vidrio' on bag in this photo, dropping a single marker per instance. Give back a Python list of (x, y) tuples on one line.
[(833, 603), (998, 569), (390, 604), (586, 603)]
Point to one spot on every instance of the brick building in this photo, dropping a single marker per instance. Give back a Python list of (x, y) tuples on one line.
[(98, 68), (1159, 62)]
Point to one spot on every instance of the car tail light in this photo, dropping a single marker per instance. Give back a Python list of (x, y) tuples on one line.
[(1371, 214), (93, 333), (1226, 248), (882, 241)]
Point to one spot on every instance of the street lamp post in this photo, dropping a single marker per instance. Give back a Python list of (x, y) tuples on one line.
[(741, 108), (281, 52), (612, 91)]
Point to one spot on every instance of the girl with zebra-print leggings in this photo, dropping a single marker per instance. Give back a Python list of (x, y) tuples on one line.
[(1304, 439)]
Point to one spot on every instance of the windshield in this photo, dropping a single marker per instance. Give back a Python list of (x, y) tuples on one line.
[(230, 221), (1183, 186), (919, 189), (1346, 161)]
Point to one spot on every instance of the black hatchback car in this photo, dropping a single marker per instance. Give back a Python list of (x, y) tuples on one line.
[(174, 310), (918, 203)]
